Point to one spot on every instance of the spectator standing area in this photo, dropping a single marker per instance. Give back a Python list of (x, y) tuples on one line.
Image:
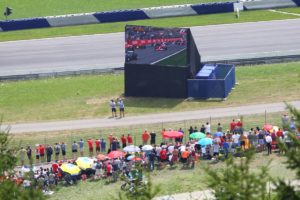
[(164, 62)]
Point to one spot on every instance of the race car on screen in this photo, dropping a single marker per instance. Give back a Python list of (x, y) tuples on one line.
[(130, 55), (160, 47)]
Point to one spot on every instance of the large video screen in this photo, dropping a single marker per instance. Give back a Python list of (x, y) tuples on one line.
[(156, 46)]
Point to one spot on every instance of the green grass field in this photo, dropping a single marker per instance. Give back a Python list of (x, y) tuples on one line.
[(36, 8), (88, 96), (188, 21), (291, 10)]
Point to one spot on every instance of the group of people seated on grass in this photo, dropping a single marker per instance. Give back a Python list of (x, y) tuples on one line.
[(150, 155)]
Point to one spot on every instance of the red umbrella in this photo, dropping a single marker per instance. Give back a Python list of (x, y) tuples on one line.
[(172, 134), (268, 127), (115, 154), (101, 157)]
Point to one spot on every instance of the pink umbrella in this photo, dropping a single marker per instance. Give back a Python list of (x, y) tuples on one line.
[(115, 154), (172, 134), (268, 127)]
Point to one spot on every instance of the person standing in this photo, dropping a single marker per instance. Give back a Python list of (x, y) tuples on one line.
[(91, 147), (63, 150), (97, 143), (103, 145), (152, 138), (49, 152), (232, 126), (42, 153), (57, 151), (113, 145), (207, 127), (22, 155), (113, 108), (37, 153), (29, 154), (219, 128), (145, 137), (124, 141), (180, 138), (121, 108), (269, 143), (129, 139), (81, 145), (74, 150)]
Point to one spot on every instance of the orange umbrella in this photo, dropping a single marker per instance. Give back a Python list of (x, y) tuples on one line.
[(101, 157), (115, 154), (172, 134)]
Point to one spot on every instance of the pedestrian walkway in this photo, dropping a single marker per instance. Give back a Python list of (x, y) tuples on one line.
[(149, 118)]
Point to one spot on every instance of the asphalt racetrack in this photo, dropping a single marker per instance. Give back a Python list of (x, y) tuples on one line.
[(103, 51), (151, 56)]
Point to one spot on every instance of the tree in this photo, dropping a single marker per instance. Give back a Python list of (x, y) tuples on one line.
[(9, 190), (236, 181), (284, 189)]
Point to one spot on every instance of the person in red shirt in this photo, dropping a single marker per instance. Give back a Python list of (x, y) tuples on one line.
[(55, 167), (91, 148), (145, 137), (124, 141), (232, 126), (42, 152), (110, 139), (163, 155), (97, 143), (129, 139), (279, 133), (239, 126), (108, 169)]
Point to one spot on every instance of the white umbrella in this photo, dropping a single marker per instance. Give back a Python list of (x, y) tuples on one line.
[(147, 147), (132, 148)]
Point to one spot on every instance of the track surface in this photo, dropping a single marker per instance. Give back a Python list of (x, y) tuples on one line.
[(216, 42)]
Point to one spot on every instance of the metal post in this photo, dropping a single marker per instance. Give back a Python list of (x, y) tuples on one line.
[(265, 116)]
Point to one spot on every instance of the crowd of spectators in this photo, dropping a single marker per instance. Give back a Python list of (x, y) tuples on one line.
[(167, 152)]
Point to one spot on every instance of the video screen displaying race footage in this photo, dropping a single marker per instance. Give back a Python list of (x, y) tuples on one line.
[(156, 46)]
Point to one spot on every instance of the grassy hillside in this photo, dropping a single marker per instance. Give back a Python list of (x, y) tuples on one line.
[(88, 96)]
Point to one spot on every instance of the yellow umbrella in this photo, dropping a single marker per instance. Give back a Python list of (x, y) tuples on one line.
[(70, 168), (84, 162), (275, 128)]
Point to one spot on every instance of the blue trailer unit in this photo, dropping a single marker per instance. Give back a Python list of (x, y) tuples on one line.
[(217, 84)]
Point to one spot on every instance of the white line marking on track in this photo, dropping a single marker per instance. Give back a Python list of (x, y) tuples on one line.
[(286, 13)]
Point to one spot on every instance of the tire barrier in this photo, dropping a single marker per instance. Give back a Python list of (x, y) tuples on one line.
[(115, 16), (119, 16), (210, 8), (20, 24), (140, 14)]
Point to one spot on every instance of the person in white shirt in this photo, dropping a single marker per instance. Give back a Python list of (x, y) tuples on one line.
[(269, 143), (207, 128), (236, 139)]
